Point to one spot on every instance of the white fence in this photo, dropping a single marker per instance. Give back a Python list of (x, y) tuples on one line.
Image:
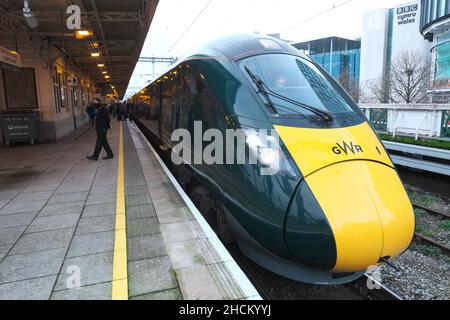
[(430, 120)]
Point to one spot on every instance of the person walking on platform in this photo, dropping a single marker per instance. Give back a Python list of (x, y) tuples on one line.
[(102, 125)]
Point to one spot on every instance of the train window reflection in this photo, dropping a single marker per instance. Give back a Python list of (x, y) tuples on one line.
[(297, 79)]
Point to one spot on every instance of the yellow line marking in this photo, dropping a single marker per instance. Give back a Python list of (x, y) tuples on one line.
[(120, 273)]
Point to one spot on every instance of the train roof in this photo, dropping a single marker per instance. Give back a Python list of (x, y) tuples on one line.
[(237, 46)]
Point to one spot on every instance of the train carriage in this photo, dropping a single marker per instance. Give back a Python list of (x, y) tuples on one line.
[(335, 205)]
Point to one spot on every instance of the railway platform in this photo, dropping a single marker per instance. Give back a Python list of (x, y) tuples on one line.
[(121, 229)]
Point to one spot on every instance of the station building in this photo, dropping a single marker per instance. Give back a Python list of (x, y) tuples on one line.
[(336, 55), (435, 27), (386, 34), (51, 68)]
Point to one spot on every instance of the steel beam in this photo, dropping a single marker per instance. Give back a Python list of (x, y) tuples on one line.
[(55, 16), (157, 60)]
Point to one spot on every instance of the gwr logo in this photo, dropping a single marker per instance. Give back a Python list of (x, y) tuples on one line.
[(346, 148)]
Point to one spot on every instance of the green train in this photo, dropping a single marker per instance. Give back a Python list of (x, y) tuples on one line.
[(335, 204)]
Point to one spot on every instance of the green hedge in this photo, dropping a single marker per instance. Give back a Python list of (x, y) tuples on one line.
[(439, 144)]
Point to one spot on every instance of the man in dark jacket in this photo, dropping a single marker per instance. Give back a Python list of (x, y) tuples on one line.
[(90, 110), (102, 126)]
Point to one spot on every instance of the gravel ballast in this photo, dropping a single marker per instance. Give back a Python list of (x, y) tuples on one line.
[(421, 277)]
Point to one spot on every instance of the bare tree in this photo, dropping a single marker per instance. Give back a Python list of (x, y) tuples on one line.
[(408, 82), (410, 77), (350, 85), (377, 90)]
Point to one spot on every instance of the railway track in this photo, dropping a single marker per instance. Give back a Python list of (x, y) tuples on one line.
[(421, 239), (379, 292), (434, 212), (359, 287), (356, 290)]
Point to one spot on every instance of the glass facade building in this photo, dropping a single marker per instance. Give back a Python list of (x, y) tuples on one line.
[(433, 11), (336, 55), (435, 26), (442, 61)]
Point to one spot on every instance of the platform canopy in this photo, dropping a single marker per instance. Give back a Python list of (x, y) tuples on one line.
[(116, 29)]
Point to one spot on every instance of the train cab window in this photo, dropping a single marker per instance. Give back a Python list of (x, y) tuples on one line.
[(297, 79)]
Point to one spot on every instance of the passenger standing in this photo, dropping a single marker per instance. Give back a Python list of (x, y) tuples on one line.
[(123, 110), (102, 125), (114, 109), (119, 111), (130, 109), (91, 111)]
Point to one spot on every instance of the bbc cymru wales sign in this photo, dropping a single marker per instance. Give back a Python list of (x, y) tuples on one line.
[(407, 14)]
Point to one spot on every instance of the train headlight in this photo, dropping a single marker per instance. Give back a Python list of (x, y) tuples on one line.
[(268, 157), (264, 149), (253, 140)]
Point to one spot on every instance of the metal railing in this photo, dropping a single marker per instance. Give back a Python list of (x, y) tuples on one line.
[(431, 120)]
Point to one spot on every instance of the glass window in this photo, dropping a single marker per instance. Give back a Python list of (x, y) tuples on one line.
[(339, 44), (56, 90), (63, 97), (439, 6), (443, 58), (299, 80), (75, 98), (433, 10)]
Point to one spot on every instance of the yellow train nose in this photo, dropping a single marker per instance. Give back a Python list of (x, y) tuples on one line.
[(368, 210)]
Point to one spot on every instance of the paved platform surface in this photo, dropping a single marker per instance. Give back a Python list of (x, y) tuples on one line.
[(59, 227)]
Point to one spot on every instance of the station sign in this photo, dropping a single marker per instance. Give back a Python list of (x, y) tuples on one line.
[(10, 57)]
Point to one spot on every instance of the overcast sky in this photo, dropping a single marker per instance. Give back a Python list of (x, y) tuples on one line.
[(222, 17)]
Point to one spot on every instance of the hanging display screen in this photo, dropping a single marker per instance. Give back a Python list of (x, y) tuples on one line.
[(19, 87)]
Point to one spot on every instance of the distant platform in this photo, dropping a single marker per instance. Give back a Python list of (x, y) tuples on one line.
[(411, 156)]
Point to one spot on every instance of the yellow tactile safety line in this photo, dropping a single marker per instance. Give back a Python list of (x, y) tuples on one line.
[(120, 273)]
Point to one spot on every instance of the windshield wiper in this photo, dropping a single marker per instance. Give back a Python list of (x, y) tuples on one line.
[(262, 87)]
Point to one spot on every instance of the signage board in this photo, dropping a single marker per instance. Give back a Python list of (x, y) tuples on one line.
[(19, 126), (407, 14), (10, 57)]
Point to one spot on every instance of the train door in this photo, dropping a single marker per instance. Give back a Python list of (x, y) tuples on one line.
[(159, 90), (184, 98), (177, 100)]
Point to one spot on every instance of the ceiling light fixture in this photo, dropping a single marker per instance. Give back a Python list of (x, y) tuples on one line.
[(29, 16), (80, 34)]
